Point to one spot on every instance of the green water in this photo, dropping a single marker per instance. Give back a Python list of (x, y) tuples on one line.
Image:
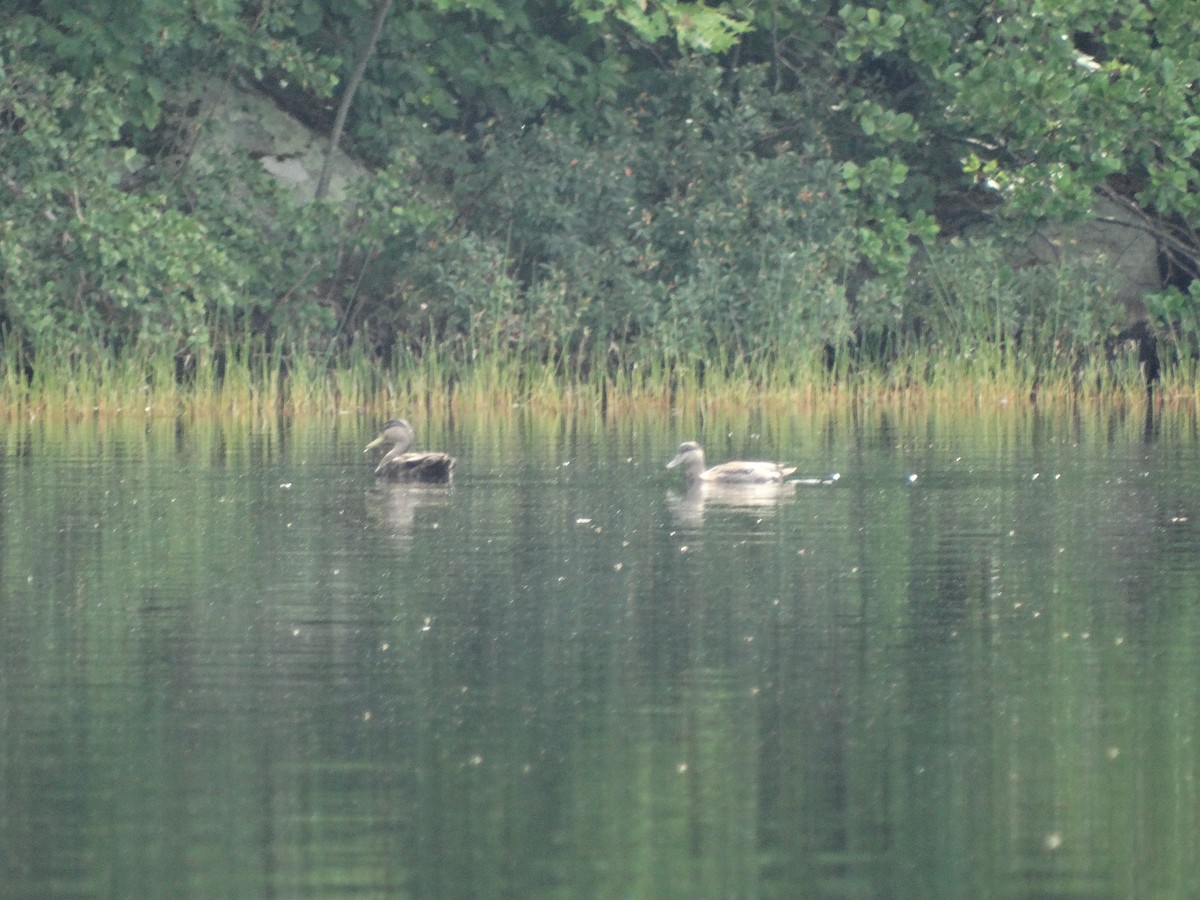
[(232, 666)]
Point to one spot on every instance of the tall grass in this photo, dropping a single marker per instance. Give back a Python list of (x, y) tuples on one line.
[(252, 379)]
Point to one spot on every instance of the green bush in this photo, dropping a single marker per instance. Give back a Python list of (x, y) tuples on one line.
[(692, 225), (969, 298), (703, 223), (112, 236), (81, 257), (99, 248)]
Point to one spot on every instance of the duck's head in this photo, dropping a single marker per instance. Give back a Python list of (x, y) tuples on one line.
[(396, 432), (689, 455)]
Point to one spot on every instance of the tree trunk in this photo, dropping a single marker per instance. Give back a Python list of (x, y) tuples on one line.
[(339, 122)]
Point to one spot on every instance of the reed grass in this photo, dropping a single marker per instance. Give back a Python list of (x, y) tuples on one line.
[(252, 379)]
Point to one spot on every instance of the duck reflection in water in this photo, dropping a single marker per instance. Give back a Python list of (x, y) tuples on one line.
[(760, 499), (394, 505), (399, 464)]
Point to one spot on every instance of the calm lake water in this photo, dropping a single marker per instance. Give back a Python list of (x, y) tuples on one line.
[(233, 666)]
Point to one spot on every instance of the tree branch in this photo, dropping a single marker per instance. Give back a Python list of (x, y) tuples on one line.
[(339, 122)]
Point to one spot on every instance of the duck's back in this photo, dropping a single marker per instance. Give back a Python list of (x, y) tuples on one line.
[(427, 466), (738, 472)]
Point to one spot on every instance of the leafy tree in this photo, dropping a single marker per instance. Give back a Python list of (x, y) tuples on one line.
[(1047, 105), (570, 166), (101, 247)]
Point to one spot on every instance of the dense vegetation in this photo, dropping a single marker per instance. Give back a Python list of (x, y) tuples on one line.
[(594, 186)]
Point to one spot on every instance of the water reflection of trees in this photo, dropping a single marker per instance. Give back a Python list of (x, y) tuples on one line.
[(978, 685)]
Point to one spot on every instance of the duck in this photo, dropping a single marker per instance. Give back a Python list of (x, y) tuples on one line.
[(398, 464), (690, 457)]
